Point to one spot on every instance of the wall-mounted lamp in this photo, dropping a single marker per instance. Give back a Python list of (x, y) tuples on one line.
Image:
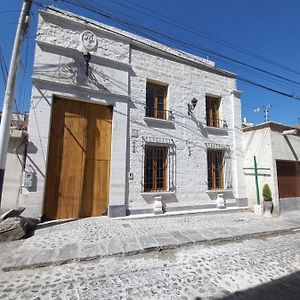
[(192, 105), (87, 57)]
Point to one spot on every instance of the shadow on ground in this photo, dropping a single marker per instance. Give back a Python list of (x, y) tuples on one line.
[(284, 288)]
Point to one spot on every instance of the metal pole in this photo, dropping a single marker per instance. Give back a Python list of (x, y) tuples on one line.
[(256, 182), (10, 89), (266, 111)]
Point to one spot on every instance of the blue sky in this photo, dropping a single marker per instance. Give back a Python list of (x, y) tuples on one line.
[(267, 28)]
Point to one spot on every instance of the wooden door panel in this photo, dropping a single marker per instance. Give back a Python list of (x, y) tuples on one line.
[(72, 161), (78, 161), (54, 159), (288, 177), (96, 191)]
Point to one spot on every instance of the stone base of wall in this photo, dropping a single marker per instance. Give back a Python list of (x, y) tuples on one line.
[(289, 204), (240, 203), (116, 211)]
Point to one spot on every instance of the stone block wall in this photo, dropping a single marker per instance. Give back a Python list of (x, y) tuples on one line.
[(189, 133), (121, 63)]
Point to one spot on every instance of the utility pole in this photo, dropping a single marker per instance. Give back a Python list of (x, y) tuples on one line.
[(10, 88)]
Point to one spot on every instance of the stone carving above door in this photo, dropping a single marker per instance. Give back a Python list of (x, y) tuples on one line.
[(88, 40)]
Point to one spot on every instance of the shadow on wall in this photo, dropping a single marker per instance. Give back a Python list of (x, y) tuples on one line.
[(227, 194), (166, 198), (286, 287)]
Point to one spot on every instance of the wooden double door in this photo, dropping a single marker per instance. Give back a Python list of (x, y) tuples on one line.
[(77, 182), (288, 177)]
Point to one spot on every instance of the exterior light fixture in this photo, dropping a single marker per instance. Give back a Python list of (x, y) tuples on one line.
[(87, 57), (192, 105)]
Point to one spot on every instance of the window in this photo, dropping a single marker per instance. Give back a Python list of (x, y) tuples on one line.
[(215, 168), (156, 96), (155, 168), (212, 111)]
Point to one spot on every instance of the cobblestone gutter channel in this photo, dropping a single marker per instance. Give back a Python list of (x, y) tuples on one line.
[(92, 238)]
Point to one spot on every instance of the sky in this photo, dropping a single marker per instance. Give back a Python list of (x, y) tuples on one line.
[(240, 36)]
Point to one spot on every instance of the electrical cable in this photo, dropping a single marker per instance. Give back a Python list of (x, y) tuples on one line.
[(202, 34), (293, 96), (175, 39)]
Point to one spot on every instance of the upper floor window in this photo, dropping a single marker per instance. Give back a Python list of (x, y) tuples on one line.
[(156, 101), (212, 112)]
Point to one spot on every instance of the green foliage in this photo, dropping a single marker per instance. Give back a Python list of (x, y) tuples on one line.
[(266, 192)]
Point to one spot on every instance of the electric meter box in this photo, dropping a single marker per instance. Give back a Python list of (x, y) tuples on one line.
[(28, 179)]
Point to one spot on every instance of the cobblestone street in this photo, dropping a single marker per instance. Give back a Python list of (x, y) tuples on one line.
[(204, 271), (91, 238)]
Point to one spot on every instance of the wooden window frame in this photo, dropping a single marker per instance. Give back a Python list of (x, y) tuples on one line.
[(152, 108), (153, 185), (215, 175), (213, 111)]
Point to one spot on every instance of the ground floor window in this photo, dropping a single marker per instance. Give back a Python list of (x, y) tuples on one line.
[(215, 169), (155, 168)]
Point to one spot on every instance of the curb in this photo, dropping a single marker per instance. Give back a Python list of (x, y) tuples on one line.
[(212, 241)]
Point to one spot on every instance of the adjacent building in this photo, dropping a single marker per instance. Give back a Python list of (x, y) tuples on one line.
[(277, 151), (15, 162), (120, 125)]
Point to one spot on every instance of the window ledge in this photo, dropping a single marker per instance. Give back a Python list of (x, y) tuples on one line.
[(217, 130), (219, 191), (159, 122), (154, 194)]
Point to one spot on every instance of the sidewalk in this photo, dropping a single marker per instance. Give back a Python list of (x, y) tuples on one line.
[(61, 242)]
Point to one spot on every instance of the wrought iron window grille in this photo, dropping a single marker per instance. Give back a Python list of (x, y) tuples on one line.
[(153, 146)]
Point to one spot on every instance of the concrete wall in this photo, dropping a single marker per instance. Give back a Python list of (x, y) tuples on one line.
[(258, 143), (13, 170), (269, 144), (120, 66)]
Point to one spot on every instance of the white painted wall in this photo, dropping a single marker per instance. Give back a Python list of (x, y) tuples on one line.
[(267, 142), (258, 143), (13, 170)]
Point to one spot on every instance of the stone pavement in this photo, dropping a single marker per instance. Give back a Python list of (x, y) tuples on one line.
[(84, 239), (259, 269)]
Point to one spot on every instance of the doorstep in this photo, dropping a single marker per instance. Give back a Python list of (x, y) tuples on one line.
[(186, 212)]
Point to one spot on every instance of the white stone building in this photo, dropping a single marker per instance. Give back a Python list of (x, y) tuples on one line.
[(119, 132), (277, 150)]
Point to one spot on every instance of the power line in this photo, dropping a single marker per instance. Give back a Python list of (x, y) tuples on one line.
[(4, 70), (292, 96), (202, 34), (8, 11), (181, 41)]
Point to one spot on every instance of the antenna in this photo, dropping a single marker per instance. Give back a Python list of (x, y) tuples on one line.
[(266, 111)]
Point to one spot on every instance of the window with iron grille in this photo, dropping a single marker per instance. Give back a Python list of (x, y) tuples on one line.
[(215, 169), (156, 98), (155, 168), (212, 111)]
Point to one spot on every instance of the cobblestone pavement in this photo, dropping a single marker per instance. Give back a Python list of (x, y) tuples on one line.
[(102, 236), (258, 268)]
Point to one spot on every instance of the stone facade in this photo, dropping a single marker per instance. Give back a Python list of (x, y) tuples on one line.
[(121, 64), (270, 142)]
